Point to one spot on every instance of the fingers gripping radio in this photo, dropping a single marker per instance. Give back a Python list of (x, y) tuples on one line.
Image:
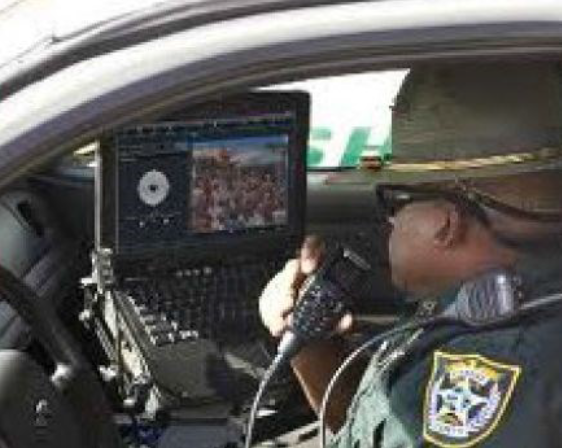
[(324, 299)]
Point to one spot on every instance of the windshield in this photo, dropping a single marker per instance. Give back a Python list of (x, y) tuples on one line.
[(350, 117)]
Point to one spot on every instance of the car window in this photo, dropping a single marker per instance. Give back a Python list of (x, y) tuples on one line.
[(350, 115)]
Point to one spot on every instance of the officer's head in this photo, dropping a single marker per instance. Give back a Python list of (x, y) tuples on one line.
[(477, 183)]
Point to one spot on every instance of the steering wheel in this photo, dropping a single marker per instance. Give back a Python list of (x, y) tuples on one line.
[(73, 385)]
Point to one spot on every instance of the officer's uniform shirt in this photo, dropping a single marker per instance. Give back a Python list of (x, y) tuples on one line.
[(453, 387)]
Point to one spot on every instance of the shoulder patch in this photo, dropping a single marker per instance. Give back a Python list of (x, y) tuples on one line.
[(465, 398)]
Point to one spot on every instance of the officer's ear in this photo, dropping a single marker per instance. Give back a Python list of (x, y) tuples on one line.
[(451, 228)]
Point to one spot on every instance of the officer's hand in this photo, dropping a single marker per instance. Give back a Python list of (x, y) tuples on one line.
[(281, 293)]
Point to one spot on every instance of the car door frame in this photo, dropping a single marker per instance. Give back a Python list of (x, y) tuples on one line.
[(73, 106)]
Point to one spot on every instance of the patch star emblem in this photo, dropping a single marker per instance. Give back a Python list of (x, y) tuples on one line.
[(466, 397)]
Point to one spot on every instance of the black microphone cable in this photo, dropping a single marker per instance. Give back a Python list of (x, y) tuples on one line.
[(282, 356)]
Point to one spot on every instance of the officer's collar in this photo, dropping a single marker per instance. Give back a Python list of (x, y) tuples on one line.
[(540, 274)]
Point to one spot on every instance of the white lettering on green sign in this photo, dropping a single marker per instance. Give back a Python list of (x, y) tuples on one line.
[(326, 150)]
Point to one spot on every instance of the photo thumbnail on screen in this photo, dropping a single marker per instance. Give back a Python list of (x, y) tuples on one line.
[(239, 184)]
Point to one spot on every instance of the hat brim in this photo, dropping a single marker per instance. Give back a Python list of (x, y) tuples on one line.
[(441, 172)]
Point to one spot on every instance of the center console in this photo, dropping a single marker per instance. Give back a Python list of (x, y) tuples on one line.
[(195, 212)]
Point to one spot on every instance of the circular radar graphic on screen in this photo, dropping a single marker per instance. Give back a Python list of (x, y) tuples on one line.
[(153, 187)]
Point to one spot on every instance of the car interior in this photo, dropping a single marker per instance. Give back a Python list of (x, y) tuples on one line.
[(148, 249), (145, 252), (156, 175)]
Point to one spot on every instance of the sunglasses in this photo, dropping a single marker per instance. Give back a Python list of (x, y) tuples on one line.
[(392, 198)]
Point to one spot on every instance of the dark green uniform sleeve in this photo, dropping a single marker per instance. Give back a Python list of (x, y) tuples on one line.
[(500, 388), (495, 388)]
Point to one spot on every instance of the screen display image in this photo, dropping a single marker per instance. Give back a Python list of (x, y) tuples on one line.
[(239, 184), (225, 172)]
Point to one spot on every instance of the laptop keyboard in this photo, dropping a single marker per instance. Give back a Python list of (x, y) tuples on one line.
[(217, 302)]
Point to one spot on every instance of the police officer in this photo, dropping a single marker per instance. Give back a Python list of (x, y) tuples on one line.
[(474, 187)]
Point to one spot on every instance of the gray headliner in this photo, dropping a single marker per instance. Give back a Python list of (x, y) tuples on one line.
[(53, 45), (75, 104)]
